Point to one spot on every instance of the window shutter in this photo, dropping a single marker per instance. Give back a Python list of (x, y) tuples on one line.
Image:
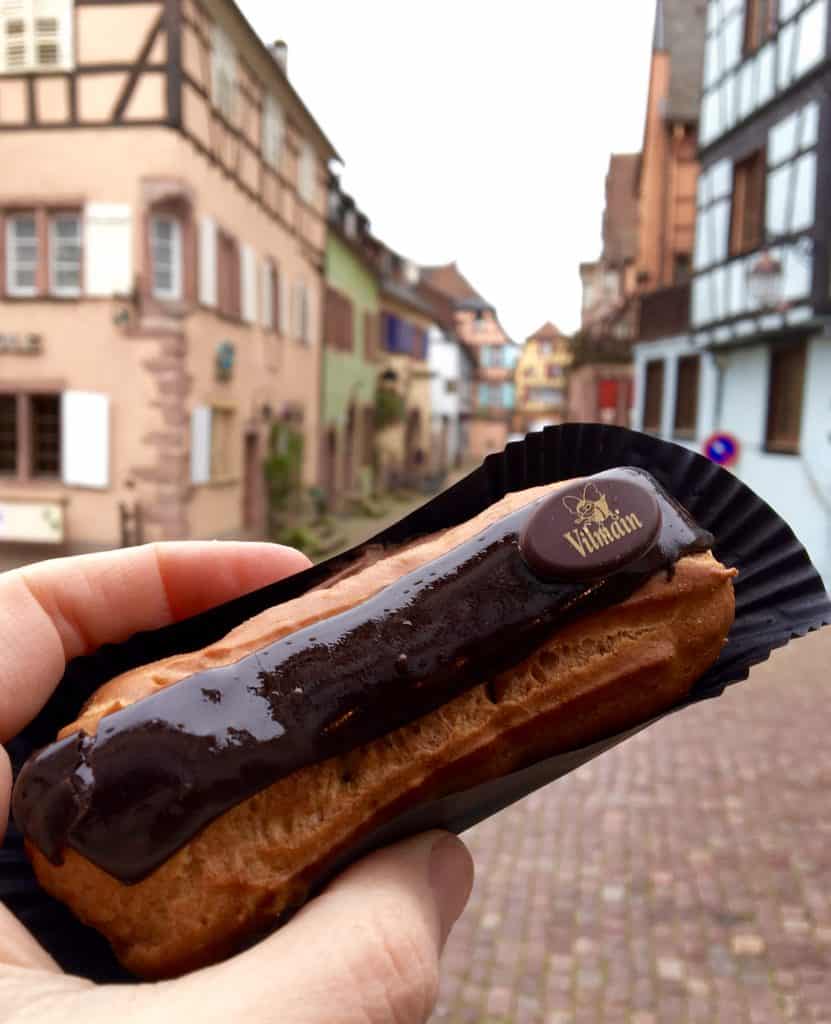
[(85, 439), (284, 306), (207, 262), (266, 295), (248, 284), (108, 260), (35, 35), (200, 445)]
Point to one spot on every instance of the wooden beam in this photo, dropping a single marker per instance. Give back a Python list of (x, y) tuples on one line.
[(31, 101), (137, 68), (173, 24)]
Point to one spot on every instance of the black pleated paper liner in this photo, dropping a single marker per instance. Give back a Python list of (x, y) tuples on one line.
[(779, 596)]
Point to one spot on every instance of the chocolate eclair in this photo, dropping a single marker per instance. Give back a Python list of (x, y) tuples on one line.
[(198, 799)]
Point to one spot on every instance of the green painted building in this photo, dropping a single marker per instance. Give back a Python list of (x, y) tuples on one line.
[(350, 345)]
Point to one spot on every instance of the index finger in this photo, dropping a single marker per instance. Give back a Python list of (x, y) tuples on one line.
[(57, 610)]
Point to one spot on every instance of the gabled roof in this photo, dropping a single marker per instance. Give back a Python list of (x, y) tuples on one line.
[(548, 330), (274, 66), (450, 281), (680, 29), (620, 218)]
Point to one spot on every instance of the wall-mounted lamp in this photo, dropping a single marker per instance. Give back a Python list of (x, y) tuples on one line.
[(766, 281)]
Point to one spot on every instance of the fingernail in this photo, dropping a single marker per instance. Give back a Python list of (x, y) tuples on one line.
[(451, 877)]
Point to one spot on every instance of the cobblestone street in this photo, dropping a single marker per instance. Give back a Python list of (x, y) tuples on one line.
[(683, 877)]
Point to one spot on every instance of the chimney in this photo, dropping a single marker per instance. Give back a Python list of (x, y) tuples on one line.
[(280, 52)]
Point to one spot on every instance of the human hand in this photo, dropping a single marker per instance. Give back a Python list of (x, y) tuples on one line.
[(366, 950)]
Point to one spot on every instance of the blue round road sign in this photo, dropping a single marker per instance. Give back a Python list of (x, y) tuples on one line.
[(723, 449)]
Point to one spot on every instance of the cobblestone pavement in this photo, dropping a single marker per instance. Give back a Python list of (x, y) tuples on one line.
[(684, 876)]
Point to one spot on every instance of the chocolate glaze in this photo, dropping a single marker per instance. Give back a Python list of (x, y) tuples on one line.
[(158, 771)]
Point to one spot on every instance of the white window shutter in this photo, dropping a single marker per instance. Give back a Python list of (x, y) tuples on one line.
[(108, 259), (266, 295), (207, 261), (285, 305), (200, 445), (85, 439)]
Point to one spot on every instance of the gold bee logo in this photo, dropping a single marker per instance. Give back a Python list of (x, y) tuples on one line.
[(596, 526), (590, 507)]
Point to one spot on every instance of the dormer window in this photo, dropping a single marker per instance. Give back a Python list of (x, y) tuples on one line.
[(35, 35), (224, 74), (273, 130)]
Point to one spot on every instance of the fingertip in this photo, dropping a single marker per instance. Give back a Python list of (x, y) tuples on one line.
[(451, 874), (5, 791)]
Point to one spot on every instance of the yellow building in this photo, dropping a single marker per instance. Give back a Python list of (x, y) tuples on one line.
[(541, 379)]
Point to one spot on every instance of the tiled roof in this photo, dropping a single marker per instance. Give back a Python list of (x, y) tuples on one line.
[(548, 330), (620, 218), (450, 281), (680, 27)]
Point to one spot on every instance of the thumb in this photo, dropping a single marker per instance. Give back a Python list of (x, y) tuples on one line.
[(366, 949)]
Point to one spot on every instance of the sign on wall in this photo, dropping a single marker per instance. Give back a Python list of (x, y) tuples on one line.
[(29, 521), (723, 449), (21, 344)]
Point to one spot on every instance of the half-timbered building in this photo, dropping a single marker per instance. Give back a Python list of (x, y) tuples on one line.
[(162, 239), (755, 367)]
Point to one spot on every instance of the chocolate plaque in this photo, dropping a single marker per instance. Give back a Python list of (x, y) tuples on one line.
[(592, 528)]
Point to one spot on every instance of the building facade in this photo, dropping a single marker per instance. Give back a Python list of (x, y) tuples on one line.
[(163, 207), (541, 379), (404, 373), (756, 362), (451, 399), (649, 224), (600, 376), (494, 355), (350, 353)]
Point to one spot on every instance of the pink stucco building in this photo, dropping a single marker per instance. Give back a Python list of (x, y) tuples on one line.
[(162, 234)]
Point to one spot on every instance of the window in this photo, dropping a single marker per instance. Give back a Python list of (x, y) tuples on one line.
[(451, 387), (748, 215), (222, 443), (686, 398), (65, 254), (370, 336), (529, 371), (228, 275), (785, 390), (553, 372), (45, 423), (306, 172), (35, 35), (339, 321), (302, 329), (681, 265), (30, 435), (166, 257), (224, 74), (22, 254), (759, 23), (8, 435), (654, 397), (272, 131)]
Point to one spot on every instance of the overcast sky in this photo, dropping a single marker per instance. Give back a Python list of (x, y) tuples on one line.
[(476, 130)]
